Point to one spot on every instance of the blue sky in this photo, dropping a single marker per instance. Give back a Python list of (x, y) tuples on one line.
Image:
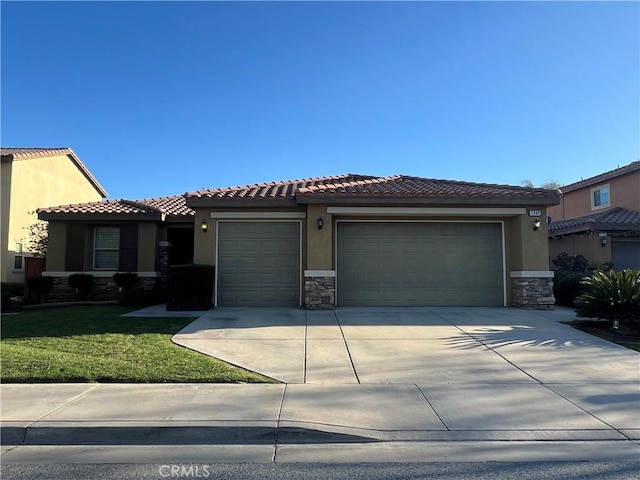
[(160, 98)]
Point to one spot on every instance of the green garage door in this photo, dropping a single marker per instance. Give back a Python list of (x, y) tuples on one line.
[(420, 264), (625, 254), (258, 264)]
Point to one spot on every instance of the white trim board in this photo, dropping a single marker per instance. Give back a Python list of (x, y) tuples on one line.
[(531, 274), (319, 273), (260, 215), (422, 211)]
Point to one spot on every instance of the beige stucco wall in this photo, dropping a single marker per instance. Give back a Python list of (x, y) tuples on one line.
[(319, 243), (4, 218), (624, 192), (148, 238), (56, 246), (204, 242), (527, 249), (35, 183)]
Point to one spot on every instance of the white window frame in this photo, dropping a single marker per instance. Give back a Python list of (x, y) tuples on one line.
[(117, 249), (597, 189)]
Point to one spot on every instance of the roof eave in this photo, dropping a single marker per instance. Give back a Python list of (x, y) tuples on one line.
[(99, 217), (208, 202), (423, 200)]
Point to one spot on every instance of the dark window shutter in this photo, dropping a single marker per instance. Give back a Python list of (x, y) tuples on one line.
[(74, 255), (129, 247)]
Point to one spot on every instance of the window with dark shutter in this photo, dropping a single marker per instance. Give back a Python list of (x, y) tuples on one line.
[(128, 247), (74, 254), (106, 246)]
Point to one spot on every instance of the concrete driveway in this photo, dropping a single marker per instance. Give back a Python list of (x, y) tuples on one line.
[(409, 345), (478, 369)]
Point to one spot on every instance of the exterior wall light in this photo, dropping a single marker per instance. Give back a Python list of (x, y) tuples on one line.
[(536, 224), (604, 238), (204, 226), (320, 223)]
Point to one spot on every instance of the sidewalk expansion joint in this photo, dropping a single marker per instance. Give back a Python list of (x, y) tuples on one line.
[(346, 346)]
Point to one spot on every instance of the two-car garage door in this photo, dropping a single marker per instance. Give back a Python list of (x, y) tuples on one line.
[(434, 263)]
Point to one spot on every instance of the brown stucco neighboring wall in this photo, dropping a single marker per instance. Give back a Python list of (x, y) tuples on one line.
[(624, 191), (589, 245), (38, 182)]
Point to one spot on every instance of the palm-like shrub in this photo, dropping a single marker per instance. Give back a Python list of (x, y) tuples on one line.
[(611, 295)]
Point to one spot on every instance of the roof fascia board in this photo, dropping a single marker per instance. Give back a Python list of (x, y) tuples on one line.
[(99, 217), (436, 211), (470, 201)]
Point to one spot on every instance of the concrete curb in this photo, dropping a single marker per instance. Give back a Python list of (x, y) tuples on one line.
[(108, 434)]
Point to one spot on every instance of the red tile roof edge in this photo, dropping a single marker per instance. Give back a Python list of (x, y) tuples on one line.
[(602, 177)]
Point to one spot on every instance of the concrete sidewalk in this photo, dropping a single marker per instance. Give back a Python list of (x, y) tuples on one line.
[(323, 422)]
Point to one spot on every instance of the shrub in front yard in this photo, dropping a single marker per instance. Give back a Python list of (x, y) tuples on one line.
[(190, 287), (83, 283), (569, 272), (9, 290), (40, 286), (613, 296)]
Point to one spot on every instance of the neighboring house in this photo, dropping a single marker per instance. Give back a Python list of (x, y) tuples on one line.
[(33, 178), (599, 218), (350, 240)]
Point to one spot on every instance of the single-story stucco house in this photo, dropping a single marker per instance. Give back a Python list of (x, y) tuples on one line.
[(349, 240)]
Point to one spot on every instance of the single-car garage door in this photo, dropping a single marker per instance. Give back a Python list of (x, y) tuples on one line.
[(625, 254), (258, 263), (436, 263)]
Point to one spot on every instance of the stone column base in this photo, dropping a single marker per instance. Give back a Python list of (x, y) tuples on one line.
[(532, 290), (319, 289)]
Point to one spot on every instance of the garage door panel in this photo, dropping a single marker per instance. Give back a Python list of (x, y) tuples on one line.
[(419, 264), (258, 263)]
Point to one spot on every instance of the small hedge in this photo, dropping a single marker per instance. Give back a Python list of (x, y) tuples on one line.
[(40, 286), (126, 281), (10, 290), (83, 283), (190, 287)]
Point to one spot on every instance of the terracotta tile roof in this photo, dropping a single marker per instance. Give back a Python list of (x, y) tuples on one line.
[(603, 177), (9, 154), (273, 190), (155, 208), (615, 219), (368, 187), (406, 186)]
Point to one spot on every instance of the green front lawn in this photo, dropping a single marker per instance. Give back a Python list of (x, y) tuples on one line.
[(95, 344)]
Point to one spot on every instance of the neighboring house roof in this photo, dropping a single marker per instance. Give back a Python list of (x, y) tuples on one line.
[(617, 219), (161, 208), (371, 189), (10, 154), (603, 177)]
